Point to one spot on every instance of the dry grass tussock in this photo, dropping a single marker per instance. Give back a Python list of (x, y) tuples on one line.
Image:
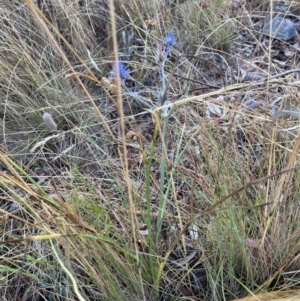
[(178, 182)]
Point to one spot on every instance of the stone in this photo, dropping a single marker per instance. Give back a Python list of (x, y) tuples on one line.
[(282, 29)]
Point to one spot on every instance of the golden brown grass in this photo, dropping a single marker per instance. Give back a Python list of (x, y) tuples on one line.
[(120, 202)]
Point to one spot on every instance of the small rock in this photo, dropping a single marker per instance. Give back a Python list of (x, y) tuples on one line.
[(282, 29)]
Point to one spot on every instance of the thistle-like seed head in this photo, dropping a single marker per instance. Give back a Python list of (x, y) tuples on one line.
[(49, 121)]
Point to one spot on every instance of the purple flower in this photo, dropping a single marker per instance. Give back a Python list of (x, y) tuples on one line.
[(123, 72), (170, 39)]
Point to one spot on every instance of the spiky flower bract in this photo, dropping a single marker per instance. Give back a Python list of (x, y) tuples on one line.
[(119, 69), (169, 41)]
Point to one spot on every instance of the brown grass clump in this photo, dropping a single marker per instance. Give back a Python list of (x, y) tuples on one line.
[(176, 180)]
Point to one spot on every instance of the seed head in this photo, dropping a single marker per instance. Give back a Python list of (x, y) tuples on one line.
[(49, 121)]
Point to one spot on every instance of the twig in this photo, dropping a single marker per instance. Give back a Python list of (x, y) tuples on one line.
[(282, 74)]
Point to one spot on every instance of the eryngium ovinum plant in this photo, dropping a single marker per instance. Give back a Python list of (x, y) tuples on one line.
[(122, 71)]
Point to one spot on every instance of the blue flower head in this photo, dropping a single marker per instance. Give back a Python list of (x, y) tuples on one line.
[(170, 39), (123, 72)]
